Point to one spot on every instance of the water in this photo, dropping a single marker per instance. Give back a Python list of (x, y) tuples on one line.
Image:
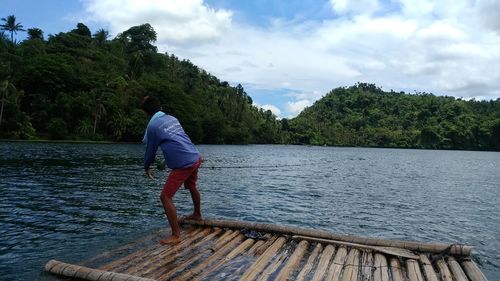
[(73, 201)]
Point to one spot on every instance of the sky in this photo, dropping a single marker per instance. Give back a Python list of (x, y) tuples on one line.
[(289, 53)]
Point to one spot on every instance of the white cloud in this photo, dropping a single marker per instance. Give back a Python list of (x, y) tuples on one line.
[(354, 6), (276, 111), (175, 21), (441, 31), (447, 47), (296, 107), (489, 12)]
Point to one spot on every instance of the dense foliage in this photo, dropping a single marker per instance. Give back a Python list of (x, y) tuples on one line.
[(364, 115), (82, 86)]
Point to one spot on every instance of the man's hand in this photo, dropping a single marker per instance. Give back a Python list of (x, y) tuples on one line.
[(148, 174)]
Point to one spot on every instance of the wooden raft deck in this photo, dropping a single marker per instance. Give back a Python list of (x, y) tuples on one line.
[(232, 250)]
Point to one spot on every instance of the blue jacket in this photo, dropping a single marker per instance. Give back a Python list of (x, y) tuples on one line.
[(167, 133)]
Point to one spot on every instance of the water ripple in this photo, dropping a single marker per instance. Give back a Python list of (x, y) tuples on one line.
[(73, 201)]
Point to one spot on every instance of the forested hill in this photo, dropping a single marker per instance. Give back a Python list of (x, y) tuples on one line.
[(364, 115), (81, 86)]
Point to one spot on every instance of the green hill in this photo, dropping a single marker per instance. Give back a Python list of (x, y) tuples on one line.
[(364, 115), (79, 86)]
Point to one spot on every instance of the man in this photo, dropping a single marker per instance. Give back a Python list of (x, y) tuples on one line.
[(181, 156)]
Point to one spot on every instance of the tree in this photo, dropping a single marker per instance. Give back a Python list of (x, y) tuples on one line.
[(139, 38), (81, 29), (11, 26), (101, 36), (6, 87), (98, 110), (35, 33)]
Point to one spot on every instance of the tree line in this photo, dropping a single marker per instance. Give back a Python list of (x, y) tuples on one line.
[(81, 86), (365, 115)]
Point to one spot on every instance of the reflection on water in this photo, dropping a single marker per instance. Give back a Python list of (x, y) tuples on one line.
[(73, 201)]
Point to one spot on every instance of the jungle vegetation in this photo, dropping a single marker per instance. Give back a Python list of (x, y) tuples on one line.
[(79, 85), (365, 115)]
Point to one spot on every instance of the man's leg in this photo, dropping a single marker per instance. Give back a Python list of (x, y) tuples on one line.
[(195, 196), (169, 207), (190, 184), (174, 181)]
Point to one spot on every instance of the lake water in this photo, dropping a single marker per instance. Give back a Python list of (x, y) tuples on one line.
[(72, 201)]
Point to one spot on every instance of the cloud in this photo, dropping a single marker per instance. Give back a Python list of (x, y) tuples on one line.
[(276, 111), (447, 47), (354, 6), (440, 31), (297, 106), (489, 12), (177, 22)]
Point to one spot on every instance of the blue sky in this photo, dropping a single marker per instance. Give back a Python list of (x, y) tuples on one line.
[(288, 54)]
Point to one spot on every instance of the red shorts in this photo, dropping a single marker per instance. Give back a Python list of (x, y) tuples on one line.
[(177, 177)]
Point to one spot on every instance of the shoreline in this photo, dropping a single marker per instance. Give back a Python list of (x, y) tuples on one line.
[(279, 144)]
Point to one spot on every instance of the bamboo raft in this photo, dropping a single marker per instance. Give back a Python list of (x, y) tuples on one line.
[(235, 250)]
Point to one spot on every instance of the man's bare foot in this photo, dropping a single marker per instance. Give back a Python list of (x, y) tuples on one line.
[(193, 217), (170, 240)]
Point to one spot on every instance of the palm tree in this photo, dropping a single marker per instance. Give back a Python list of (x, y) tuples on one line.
[(35, 33), (101, 36), (6, 88), (11, 26), (98, 111)]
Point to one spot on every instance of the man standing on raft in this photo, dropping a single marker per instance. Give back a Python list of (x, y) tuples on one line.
[(180, 155)]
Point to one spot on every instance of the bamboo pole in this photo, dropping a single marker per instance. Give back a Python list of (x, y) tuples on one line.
[(123, 262), (234, 253), (213, 258), (413, 270), (220, 242), (337, 264), (262, 261), (235, 273), (381, 272), (85, 273), (151, 262), (255, 246), (125, 247), (352, 266), (454, 249), (163, 269), (114, 265), (310, 262), (155, 261), (324, 260), (177, 251), (397, 273), (293, 262), (257, 249), (444, 272), (386, 250), (456, 269), (275, 264), (366, 266), (266, 245), (428, 269), (473, 271)]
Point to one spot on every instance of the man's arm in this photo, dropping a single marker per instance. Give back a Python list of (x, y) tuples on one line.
[(151, 148)]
